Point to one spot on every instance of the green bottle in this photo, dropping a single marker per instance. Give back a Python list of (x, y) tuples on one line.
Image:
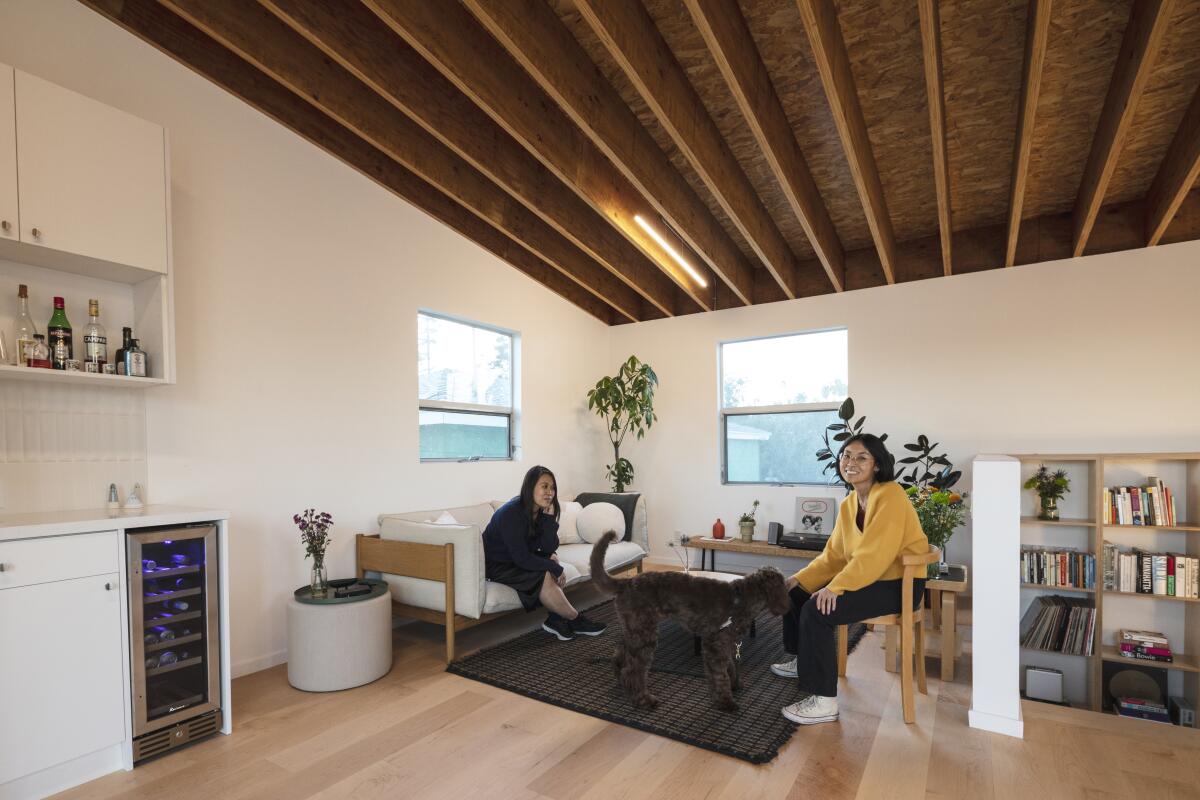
[(62, 348)]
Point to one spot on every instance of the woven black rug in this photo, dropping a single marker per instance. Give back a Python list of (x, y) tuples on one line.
[(578, 675)]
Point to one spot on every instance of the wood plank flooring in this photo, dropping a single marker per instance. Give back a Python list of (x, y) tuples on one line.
[(422, 733)]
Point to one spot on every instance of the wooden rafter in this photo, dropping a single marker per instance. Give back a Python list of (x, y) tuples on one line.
[(195, 50), (931, 50), (535, 36), (1178, 173), (259, 37), (1037, 35), (833, 64), (629, 34), (1140, 45), (453, 41), (728, 38)]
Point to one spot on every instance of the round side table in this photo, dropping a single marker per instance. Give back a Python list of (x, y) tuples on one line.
[(339, 643)]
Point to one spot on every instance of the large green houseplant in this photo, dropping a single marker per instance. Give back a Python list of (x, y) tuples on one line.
[(626, 403)]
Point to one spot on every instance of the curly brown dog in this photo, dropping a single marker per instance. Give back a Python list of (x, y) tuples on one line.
[(717, 612)]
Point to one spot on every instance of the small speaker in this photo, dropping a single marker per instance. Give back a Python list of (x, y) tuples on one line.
[(1043, 683), (774, 531), (1182, 712)]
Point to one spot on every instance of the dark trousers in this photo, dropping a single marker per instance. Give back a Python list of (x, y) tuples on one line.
[(811, 636)]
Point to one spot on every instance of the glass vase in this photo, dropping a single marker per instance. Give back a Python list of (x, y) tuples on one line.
[(318, 582), (1049, 508)]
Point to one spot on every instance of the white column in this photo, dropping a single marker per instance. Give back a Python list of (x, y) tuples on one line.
[(996, 596)]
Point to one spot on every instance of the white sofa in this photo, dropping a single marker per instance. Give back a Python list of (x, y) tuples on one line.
[(440, 584)]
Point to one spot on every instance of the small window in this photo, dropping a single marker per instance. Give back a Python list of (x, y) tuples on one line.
[(777, 396), (466, 389)]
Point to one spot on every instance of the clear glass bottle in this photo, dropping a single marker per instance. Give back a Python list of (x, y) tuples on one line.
[(39, 354), (95, 341), (24, 329), (62, 348), (135, 361)]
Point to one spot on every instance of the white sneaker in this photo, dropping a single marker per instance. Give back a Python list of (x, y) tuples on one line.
[(813, 709), (785, 669)]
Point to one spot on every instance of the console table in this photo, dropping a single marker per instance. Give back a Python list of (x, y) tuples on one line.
[(710, 546), (943, 597)]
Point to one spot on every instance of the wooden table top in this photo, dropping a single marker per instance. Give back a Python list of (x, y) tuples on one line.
[(760, 548), (953, 581)]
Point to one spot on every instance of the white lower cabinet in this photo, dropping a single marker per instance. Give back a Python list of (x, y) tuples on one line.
[(60, 669)]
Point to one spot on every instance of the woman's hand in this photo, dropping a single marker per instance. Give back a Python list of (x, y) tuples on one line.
[(826, 601), (790, 583), (561, 580)]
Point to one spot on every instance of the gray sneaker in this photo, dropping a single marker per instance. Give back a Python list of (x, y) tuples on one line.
[(785, 669)]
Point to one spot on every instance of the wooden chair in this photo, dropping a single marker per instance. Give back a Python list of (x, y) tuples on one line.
[(912, 642)]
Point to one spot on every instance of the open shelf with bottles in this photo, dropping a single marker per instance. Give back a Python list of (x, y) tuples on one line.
[(1082, 527)]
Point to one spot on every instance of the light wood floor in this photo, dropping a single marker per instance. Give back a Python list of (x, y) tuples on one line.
[(421, 733)]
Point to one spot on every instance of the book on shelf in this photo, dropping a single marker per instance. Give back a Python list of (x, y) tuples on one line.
[(1144, 650), (1152, 504), (1065, 567), (1142, 709), (1152, 638), (1061, 624), (1140, 572)]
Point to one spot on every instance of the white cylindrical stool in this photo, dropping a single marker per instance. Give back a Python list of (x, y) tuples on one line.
[(339, 644)]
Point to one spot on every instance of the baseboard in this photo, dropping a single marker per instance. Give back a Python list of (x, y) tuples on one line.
[(996, 724), (251, 665), (64, 776)]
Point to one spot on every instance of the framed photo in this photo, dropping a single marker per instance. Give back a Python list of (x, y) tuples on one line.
[(815, 516)]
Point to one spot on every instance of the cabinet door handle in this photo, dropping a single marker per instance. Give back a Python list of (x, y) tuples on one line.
[(37, 233), (1, 566), (108, 587)]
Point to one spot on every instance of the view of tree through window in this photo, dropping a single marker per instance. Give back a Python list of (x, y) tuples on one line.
[(465, 379), (777, 396)]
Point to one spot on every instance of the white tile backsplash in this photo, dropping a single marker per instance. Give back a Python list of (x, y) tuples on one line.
[(61, 446)]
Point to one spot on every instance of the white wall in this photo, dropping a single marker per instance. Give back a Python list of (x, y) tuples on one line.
[(1085, 355), (297, 286)]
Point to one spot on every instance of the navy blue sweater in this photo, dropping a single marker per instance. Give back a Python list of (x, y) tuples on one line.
[(506, 539)]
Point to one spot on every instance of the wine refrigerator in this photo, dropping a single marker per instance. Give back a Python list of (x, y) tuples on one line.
[(175, 637)]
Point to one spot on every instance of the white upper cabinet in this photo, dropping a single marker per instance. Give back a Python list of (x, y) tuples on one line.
[(91, 179), (9, 228)]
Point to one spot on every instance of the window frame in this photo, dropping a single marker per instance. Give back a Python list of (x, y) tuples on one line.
[(481, 409), (724, 413)]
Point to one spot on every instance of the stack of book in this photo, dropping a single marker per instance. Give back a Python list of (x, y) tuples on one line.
[(1140, 572), (1145, 646), (1060, 624), (1152, 504), (1058, 567), (1142, 709)]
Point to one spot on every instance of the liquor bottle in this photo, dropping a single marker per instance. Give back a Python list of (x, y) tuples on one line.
[(178, 605), (150, 638), (149, 565), (39, 356), (165, 634), (24, 328), (95, 341), (135, 363), (166, 658), (62, 348), (126, 338)]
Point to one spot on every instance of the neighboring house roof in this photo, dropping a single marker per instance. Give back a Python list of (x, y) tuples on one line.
[(739, 430)]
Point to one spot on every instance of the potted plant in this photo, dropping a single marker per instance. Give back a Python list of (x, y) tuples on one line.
[(1050, 487), (746, 523), (626, 403), (314, 533), (940, 511)]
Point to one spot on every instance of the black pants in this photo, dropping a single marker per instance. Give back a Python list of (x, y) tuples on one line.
[(812, 636)]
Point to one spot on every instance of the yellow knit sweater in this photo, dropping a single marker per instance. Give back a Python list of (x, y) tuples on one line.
[(853, 559)]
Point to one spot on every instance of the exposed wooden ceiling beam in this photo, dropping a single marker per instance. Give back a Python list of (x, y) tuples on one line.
[(1037, 35), (833, 64), (1140, 45), (259, 37), (412, 146), (1177, 174), (456, 44), (630, 35), (195, 50), (931, 50), (535, 36), (728, 38)]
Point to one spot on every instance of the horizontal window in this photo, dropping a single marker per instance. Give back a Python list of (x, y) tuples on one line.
[(464, 435), (775, 448)]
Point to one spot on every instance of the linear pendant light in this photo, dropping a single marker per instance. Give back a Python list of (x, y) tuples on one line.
[(665, 245)]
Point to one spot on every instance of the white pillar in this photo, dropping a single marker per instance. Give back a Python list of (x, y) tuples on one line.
[(996, 596)]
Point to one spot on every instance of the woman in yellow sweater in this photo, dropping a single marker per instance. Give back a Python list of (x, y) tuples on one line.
[(856, 577)]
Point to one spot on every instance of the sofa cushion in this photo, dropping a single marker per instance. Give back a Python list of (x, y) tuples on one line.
[(619, 554), (478, 515), (502, 597), (629, 502), (446, 518), (597, 519), (568, 533)]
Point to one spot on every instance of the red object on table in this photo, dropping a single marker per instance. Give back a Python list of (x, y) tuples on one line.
[(718, 529)]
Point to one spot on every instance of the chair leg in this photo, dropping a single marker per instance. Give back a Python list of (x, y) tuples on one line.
[(906, 673), (921, 655), (843, 649)]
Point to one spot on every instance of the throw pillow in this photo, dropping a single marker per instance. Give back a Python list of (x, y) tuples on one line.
[(446, 518), (597, 519), (568, 532)]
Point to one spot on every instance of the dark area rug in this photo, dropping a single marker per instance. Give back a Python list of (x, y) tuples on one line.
[(578, 675)]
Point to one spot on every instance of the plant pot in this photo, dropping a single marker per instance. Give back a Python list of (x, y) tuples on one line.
[(1049, 508), (747, 531), (318, 582), (718, 530)]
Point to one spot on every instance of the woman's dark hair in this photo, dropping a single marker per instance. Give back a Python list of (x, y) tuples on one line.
[(531, 479), (883, 459)]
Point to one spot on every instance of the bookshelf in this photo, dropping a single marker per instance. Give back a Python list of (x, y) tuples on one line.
[(1082, 527)]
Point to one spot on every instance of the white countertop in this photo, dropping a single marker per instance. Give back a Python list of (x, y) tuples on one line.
[(58, 523)]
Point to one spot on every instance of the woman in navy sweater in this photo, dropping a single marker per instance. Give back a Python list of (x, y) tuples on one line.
[(519, 548)]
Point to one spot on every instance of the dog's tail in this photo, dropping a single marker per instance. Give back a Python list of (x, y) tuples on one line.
[(599, 573)]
